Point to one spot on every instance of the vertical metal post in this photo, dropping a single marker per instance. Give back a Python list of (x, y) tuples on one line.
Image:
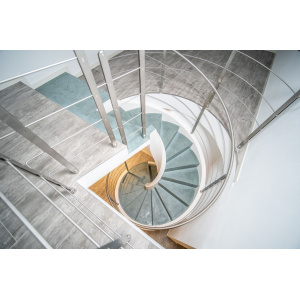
[(37, 173), (112, 93), (284, 106), (212, 93), (85, 67), (162, 71), (143, 89), (14, 123)]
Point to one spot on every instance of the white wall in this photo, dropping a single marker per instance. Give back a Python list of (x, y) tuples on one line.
[(262, 209), (16, 62)]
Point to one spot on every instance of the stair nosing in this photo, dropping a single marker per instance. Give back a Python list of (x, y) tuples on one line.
[(181, 168), (141, 206), (180, 182), (162, 202), (178, 153), (132, 200), (175, 196)]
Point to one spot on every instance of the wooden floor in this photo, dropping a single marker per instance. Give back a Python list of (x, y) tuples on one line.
[(99, 188)]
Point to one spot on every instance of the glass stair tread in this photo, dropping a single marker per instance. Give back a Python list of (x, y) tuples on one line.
[(126, 198), (189, 177), (154, 119), (186, 159), (160, 215), (178, 145), (174, 207), (144, 215), (66, 89), (179, 191), (167, 132), (132, 209)]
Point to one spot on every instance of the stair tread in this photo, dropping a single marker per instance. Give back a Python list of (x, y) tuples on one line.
[(188, 176), (186, 158), (160, 216), (174, 207), (145, 215), (132, 113), (131, 184), (179, 144), (154, 119), (66, 89), (136, 139), (183, 192), (167, 132), (126, 198), (133, 208)]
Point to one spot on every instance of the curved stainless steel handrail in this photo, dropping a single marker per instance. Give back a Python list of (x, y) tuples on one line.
[(180, 223), (267, 69), (235, 75)]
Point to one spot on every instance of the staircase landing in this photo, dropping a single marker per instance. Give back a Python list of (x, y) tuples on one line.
[(86, 150)]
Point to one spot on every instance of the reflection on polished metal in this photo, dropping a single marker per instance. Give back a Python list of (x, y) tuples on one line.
[(163, 71), (35, 172), (213, 183), (25, 222), (213, 93), (85, 67), (117, 244), (40, 69), (14, 123), (273, 116), (112, 94), (143, 89)]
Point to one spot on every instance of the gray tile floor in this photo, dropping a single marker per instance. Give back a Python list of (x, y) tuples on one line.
[(100, 223)]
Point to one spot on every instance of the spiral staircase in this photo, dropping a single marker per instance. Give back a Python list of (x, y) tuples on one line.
[(177, 187), (201, 156)]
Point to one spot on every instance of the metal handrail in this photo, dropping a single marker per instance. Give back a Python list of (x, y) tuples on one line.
[(215, 173), (55, 205), (37, 70), (212, 86), (29, 226), (92, 212), (212, 175), (267, 69), (70, 105), (236, 74), (36, 173), (231, 156)]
